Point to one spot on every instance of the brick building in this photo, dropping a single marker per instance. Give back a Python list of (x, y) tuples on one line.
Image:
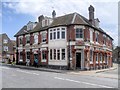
[(6, 46), (65, 41)]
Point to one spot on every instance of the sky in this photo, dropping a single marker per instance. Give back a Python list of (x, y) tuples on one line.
[(17, 13)]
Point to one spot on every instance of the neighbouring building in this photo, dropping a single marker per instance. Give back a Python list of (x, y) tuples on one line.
[(116, 55), (69, 41), (6, 47)]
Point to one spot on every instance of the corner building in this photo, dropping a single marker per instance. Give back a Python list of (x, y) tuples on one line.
[(69, 41)]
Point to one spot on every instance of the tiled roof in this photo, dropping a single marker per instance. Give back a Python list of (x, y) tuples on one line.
[(21, 31), (68, 19)]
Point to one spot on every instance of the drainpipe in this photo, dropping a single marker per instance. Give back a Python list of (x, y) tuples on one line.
[(69, 51)]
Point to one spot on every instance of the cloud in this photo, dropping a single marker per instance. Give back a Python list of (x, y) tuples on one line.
[(107, 12)]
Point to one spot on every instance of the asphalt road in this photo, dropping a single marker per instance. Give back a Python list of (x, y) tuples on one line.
[(22, 78)]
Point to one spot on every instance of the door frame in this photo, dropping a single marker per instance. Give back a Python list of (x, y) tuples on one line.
[(82, 58)]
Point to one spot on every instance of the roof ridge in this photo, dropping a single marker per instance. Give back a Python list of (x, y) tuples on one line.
[(74, 18)]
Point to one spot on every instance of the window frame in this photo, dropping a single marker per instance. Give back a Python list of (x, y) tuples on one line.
[(79, 34)]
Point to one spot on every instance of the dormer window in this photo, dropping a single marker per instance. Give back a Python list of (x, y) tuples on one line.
[(46, 22), (31, 25)]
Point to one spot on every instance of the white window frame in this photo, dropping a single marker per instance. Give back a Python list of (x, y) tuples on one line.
[(97, 57), (35, 38), (97, 33), (5, 41), (91, 34), (45, 38), (91, 56), (5, 48), (51, 30), (26, 39)]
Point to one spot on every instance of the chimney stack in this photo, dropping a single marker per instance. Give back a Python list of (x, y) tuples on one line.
[(40, 18), (53, 14), (91, 14)]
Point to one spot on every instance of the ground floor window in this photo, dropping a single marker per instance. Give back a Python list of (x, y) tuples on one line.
[(54, 54), (50, 54), (63, 54), (21, 55), (91, 55), (97, 57), (57, 54), (44, 55), (101, 57), (28, 55)]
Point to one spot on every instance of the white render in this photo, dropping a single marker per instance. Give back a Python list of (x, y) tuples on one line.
[(58, 44)]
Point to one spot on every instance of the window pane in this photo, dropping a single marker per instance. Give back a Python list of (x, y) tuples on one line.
[(28, 55), (79, 33), (63, 54), (50, 36), (63, 34), (58, 34), (58, 54), (54, 54), (54, 35), (43, 37), (51, 54)]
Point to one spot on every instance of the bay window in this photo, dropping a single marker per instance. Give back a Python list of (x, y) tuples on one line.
[(63, 54)]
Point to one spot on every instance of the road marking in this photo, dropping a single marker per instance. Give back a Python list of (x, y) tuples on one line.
[(27, 72), (83, 82)]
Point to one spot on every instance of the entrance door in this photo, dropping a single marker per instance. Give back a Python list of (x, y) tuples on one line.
[(78, 60)]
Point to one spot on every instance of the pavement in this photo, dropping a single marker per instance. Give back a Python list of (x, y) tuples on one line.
[(94, 73)]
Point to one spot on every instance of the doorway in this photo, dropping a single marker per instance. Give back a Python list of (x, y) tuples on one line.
[(78, 60)]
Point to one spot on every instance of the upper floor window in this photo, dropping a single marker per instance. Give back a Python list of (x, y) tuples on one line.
[(5, 48), (44, 37), (50, 34), (21, 40), (91, 35), (79, 33), (58, 33), (63, 34), (5, 41), (27, 39), (35, 39), (54, 34), (96, 38), (104, 39)]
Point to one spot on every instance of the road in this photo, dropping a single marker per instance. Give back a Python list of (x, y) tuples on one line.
[(23, 78)]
